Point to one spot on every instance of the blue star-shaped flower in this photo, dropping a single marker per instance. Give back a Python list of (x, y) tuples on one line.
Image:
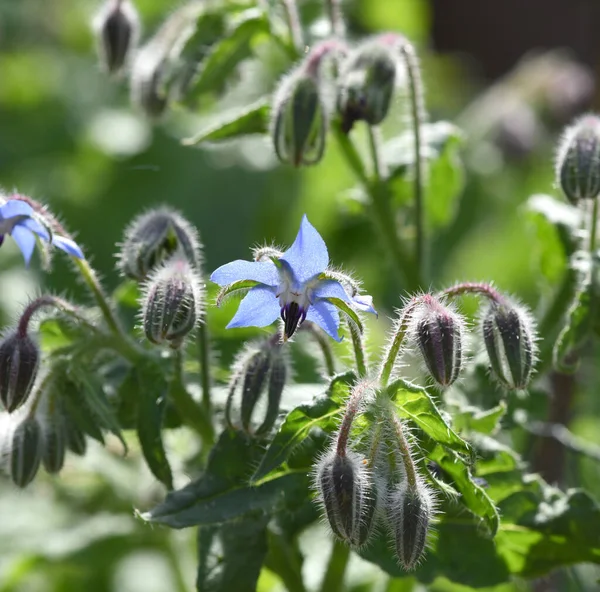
[(18, 219), (294, 286)]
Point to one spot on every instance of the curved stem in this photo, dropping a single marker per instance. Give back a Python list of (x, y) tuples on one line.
[(409, 465), (352, 408), (359, 350), (323, 344), (333, 580), (473, 288)]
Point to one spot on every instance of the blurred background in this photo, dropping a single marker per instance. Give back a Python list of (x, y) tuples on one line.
[(511, 74)]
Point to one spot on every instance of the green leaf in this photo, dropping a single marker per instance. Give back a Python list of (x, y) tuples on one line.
[(577, 330), (234, 287), (152, 398), (128, 294), (415, 403), (320, 413), (222, 493), (230, 556), (253, 119), (479, 420), (227, 54), (473, 495)]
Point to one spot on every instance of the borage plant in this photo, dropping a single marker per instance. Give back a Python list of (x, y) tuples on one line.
[(408, 457)]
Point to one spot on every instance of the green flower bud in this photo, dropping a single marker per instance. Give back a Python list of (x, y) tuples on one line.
[(258, 381), (152, 238), (367, 83), (26, 451), (348, 494), (55, 442), (19, 360), (438, 332), (172, 302), (117, 29), (75, 438), (299, 126), (410, 510), (578, 160), (509, 337)]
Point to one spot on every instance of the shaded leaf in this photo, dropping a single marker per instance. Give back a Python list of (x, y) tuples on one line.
[(253, 119), (484, 421)]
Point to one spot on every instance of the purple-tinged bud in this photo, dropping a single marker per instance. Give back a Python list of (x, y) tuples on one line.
[(257, 383), (300, 121), (410, 510), (438, 331), (26, 451), (348, 494), (19, 360), (152, 238), (172, 302), (117, 27), (578, 160), (510, 341), (367, 83)]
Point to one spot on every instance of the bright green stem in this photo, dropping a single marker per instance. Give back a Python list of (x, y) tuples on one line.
[(374, 141), (91, 279), (351, 154), (203, 343), (359, 349), (192, 414), (403, 445), (417, 111), (593, 228), (333, 580), (396, 344), (293, 19)]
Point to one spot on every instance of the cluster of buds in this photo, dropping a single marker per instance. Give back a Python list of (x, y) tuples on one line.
[(256, 385), (361, 481), (431, 326), (116, 26), (161, 249)]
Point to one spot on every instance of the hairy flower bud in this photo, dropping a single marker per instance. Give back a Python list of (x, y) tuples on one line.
[(299, 126), (55, 442), (410, 509), (117, 29), (261, 370), (19, 359), (152, 238), (438, 331), (578, 159), (26, 451), (349, 497), (367, 83), (509, 338), (172, 302)]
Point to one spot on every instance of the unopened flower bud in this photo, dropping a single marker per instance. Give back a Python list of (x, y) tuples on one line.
[(509, 338), (259, 379), (348, 494), (19, 359), (172, 303), (578, 159), (117, 28), (152, 238), (299, 127), (367, 83), (410, 509), (26, 451), (438, 331), (55, 443), (75, 438)]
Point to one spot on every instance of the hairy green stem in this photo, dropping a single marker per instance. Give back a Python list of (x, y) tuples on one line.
[(192, 413), (334, 11), (323, 344), (593, 229), (409, 465), (293, 19), (333, 580), (359, 350)]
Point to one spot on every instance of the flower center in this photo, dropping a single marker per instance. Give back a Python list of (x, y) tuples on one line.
[(295, 301)]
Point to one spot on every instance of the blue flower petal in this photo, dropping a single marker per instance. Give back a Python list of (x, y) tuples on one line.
[(331, 289), (308, 255), (264, 272), (25, 240), (259, 308), (15, 207), (326, 316), (33, 225), (364, 303), (67, 245)]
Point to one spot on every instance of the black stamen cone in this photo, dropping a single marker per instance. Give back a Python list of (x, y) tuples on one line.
[(292, 316)]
